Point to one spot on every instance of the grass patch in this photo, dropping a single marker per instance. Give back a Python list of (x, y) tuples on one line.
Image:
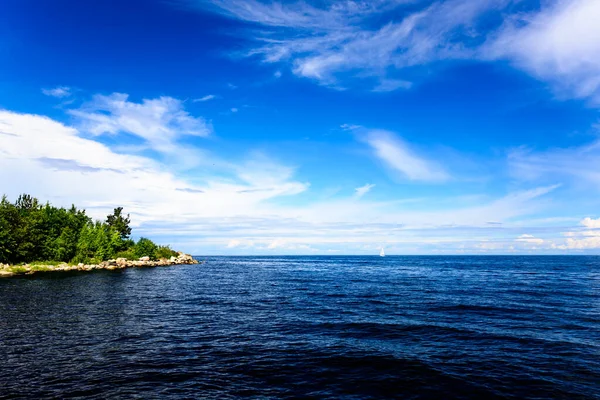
[(17, 270), (41, 268), (42, 263)]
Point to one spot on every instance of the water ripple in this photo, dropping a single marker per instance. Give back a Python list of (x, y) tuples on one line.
[(308, 327)]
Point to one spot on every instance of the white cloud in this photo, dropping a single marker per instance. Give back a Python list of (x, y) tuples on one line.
[(350, 127), (59, 92), (588, 243), (276, 243), (233, 243), (159, 122), (244, 205), (558, 44), (389, 85), (234, 110), (56, 162), (399, 156), (277, 74), (583, 239), (324, 41), (361, 191), (591, 223), (334, 42), (205, 98), (525, 238), (575, 163)]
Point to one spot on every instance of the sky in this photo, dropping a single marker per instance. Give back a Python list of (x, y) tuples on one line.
[(234, 127)]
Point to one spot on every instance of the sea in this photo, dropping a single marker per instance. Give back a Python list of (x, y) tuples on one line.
[(418, 327)]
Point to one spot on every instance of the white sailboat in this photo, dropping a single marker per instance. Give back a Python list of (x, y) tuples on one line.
[(382, 253)]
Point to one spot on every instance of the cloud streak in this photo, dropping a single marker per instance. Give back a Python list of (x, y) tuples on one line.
[(58, 92), (205, 98), (574, 164), (398, 156), (361, 191), (325, 42), (338, 43), (252, 206), (158, 122)]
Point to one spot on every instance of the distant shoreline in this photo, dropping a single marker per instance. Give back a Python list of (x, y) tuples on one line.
[(9, 271)]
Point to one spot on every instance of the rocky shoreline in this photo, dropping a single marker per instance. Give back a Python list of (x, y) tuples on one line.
[(7, 271)]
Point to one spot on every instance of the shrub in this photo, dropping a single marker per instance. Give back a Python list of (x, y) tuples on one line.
[(164, 252), (145, 247)]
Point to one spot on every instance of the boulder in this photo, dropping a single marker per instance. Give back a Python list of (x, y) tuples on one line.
[(145, 258), (185, 258)]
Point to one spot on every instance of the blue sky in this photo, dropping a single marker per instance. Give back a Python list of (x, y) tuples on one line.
[(265, 127)]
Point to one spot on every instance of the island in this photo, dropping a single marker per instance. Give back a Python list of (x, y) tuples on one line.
[(37, 237)]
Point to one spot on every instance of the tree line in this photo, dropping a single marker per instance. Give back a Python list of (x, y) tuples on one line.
[(32, 231)]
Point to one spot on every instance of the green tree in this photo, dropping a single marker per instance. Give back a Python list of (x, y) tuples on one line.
[(119, 223), (8, 222), (145, 247), (32, 231)]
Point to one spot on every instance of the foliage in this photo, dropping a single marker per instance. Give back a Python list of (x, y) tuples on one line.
[(119, 223), (31, 231), (165, 252), (145, 247)]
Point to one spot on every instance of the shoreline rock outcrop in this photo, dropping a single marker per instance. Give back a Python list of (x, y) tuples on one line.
[(7, 271)]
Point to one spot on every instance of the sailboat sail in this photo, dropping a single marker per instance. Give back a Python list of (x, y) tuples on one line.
[(382, 253)]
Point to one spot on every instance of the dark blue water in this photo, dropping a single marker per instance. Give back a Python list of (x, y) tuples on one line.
[(308, 327)]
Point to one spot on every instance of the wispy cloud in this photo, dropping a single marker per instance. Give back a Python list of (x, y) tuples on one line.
[(350, 127), (576, 164), (205, 98), (233, 243), (336, 43), (378, 38), (159, 122), (397, 155), (58, 92), (558, 44), (257, 204), (361, 191), (389, 85)]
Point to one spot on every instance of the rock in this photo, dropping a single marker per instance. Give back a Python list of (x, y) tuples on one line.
[(112, 262), (121, 261), (145, 258), (184, 258)]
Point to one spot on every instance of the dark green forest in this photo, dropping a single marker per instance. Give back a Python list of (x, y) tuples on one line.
[(31, 231)]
